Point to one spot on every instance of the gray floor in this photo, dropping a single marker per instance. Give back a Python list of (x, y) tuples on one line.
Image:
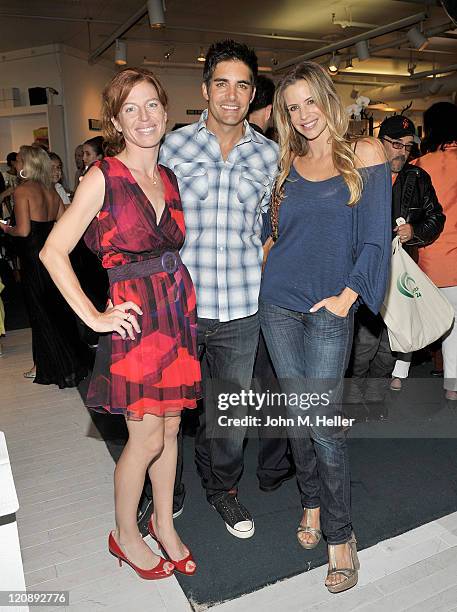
[(63, 476)]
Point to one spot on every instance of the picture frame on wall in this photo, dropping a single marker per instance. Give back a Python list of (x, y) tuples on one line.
[(95, 125)]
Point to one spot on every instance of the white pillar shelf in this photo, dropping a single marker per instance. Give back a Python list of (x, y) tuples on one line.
[(11, 570), (18, 123)]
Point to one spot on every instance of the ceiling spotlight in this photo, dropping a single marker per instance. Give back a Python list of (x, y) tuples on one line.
[(349, 65), (156, 12), (334, 63), (201, 56), (363, 52), (417, 39), (120, 52)]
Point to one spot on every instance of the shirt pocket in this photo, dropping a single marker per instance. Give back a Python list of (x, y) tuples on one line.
[(193, 181), (252, 187)]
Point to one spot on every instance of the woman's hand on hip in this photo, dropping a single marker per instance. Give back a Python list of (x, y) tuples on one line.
[(118, 319), (337, 304)]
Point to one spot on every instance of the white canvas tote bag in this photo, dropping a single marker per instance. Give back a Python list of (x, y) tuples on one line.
[(414, 310)]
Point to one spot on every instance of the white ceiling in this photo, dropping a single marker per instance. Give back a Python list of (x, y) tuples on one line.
[(267, 25)]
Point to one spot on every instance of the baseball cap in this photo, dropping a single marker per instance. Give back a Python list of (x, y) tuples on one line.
[(397, 126)]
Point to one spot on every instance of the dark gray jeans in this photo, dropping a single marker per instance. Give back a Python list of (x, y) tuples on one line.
[(229, 349), (371, 354)]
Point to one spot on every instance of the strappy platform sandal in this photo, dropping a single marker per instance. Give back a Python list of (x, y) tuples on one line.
[(351, 574), (316, 533)]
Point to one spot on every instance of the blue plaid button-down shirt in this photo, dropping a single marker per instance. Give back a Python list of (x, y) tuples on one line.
[(223, 202)]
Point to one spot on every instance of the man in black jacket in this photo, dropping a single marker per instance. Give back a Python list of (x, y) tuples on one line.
[(418, 219)]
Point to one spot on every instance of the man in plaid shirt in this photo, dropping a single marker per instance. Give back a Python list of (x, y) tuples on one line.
[(225, 172)]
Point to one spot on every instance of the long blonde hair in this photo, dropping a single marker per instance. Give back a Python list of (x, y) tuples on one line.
[(293, 144), (37, 165)]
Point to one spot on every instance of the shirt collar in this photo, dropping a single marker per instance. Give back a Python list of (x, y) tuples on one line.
[(249, 132)]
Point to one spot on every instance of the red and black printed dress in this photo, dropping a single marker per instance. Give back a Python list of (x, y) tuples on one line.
[(159, 371)]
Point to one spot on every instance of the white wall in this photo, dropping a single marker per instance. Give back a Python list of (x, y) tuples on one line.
[(82, 85), (35, 67), (79, 86), (183, 87)]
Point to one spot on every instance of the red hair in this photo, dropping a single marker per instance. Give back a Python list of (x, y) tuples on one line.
[(114, 96)]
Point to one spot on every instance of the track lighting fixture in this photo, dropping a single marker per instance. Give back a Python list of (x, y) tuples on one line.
[(334, 63), (120, 52), (156, 13), (362, 50)]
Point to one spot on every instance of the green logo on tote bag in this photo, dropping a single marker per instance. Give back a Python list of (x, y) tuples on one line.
[(407, 286)]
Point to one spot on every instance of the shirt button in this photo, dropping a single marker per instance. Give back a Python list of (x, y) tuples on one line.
[(221, 248)]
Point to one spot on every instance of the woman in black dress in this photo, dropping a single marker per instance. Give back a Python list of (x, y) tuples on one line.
[(58, 354)]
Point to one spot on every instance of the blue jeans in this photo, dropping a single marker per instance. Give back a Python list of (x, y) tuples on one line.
[(229, 349), (315, 346)]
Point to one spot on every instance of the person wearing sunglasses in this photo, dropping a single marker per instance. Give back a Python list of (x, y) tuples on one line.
[(414, 201)]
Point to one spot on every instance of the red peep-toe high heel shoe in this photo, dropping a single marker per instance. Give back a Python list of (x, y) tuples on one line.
[(155, 573), (180, 566)]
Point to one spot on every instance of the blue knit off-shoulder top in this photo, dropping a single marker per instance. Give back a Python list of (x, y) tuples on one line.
[(324, 245)]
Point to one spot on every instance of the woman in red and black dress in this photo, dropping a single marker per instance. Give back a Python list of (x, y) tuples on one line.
[(147, 366)]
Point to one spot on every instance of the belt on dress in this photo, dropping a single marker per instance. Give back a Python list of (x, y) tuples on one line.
[(169, 262)]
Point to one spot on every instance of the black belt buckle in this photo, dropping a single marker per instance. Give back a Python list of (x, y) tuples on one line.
[(169, 262)]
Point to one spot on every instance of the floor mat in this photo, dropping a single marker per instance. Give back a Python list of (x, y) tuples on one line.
[(404, 474)]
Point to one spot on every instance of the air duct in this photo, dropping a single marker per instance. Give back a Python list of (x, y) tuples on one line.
[(414, 89), (417, 38)]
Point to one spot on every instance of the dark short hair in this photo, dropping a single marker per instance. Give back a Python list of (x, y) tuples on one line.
[(96, 143), (11, 157), (440, 126), (226, 50), (54, 157), (264, 93)]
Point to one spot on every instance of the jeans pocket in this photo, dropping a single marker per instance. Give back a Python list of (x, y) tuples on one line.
[(332, 314)]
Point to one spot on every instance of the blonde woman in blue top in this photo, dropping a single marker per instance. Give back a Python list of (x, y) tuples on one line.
[(330, 231)]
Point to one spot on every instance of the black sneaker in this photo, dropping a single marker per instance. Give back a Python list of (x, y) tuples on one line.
[(237, 519), (145, 510), (177, 509)]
